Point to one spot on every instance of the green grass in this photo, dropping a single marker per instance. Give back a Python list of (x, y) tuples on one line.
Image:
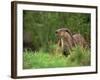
[(78, 57)]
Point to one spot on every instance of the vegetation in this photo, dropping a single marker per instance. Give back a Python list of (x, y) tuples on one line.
[(78, 57), (43, 25)]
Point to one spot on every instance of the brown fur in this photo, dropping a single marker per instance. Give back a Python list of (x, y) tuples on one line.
[(79, 40), (66, 40)]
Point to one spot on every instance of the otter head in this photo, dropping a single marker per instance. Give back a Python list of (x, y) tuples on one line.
[(64, 40), (61, 32)]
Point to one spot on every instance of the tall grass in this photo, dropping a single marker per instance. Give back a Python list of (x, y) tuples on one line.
[(79, 57), (40, 59)]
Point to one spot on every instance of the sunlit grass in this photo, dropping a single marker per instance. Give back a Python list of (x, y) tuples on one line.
[(40, 59)]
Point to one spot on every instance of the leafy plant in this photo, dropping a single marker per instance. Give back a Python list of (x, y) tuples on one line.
[(78, 57)]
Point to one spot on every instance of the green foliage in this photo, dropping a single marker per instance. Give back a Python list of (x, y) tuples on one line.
[(42, 60), (43, 25), (78, 57)]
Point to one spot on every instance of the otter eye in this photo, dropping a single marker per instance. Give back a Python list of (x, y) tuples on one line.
[(66, 30)]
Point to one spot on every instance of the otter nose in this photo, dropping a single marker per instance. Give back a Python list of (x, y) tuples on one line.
[(56, 32)]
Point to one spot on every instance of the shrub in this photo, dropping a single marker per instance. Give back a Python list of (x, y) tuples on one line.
[(78, 57)]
